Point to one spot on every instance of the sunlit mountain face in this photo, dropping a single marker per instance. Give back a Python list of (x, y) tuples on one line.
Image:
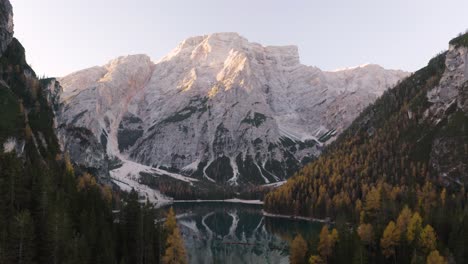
[(218, 109)]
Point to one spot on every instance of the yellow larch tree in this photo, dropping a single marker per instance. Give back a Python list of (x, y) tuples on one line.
[(390, 239), (298, 250)]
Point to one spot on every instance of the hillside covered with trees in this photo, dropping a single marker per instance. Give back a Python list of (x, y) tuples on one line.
[(51, 213), (395, 181)]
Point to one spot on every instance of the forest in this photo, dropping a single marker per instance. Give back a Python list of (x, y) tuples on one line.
[(377, 183), (51, 213)]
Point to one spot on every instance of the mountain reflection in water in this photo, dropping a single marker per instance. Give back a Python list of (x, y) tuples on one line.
[(216, 232)]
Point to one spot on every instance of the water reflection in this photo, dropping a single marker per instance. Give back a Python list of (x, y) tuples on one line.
[(237, 233)]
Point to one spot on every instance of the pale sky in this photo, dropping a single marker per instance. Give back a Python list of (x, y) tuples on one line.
[(62, 36)]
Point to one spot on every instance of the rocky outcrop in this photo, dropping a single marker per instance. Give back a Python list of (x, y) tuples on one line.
[(219, 107), (86, 152), (449, 111), (6, 25), (52, 92)]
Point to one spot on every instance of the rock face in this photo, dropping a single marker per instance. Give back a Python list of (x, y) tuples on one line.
[(6, 25), (449, 109), (52, 92), (219, 107)]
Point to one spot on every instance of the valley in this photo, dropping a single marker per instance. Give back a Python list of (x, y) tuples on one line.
[(225, 150)]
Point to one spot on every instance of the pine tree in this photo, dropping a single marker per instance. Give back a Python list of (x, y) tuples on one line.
[(132, 227), (23, 238)]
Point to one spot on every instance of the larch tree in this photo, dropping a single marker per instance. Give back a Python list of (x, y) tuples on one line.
[(403, 220), (390, 239), (314, 259), (435, 258), (175, 252), (414, 227), (298, 250), (428, 239), (334, 237), (366, 233), (324, 246), (372, 203), (170, 224)]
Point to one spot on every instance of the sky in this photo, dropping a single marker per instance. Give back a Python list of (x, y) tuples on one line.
[(63, 36)]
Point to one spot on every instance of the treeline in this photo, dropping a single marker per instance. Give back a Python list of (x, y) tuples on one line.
[(379, 169), (203, 190), (406, 239)]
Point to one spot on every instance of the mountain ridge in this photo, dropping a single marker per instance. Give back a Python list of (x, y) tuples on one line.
[(218, 104)]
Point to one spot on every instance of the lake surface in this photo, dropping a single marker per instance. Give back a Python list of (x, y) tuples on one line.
[(216, 232)]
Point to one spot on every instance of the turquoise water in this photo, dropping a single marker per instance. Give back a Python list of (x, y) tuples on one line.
[(217, 232)]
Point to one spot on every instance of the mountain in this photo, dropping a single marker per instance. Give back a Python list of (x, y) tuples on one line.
[(218, 108), (407, 150)]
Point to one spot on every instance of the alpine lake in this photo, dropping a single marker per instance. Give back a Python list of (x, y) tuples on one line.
[(221, 232)]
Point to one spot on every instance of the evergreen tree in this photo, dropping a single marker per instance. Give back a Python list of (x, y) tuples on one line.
[(23, 242)]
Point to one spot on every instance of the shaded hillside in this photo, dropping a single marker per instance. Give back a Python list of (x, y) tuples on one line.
[(49, 213)]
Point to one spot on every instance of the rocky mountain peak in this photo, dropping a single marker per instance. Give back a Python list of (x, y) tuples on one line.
[(217, 108), (135, 69), (128, 61), (216, 49)]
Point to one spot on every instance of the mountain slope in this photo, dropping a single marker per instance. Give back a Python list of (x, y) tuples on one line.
[(409, 148), (47, 213), (218, 108)]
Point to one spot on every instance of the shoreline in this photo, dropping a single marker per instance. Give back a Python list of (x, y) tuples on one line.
[(256, 202), (296, 217), (232, 200)]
